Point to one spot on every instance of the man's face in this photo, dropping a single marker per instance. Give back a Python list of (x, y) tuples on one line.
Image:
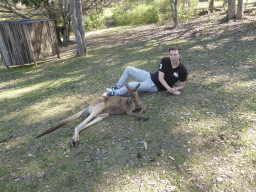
[(174, 56)]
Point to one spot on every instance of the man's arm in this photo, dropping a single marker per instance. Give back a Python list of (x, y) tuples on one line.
[(181, 85), (174, 90)]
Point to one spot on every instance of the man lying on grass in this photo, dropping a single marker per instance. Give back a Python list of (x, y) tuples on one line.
[(170, 71)]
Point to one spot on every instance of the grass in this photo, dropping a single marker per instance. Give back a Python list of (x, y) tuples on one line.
[(203, 140)]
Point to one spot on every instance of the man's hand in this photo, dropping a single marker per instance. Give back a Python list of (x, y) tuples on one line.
[(174, 91)]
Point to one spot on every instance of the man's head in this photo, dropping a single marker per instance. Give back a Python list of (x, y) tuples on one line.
[(175, 54), (175, 48)]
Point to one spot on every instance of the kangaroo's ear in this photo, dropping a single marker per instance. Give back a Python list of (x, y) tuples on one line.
[(135, 89), (128, 87)]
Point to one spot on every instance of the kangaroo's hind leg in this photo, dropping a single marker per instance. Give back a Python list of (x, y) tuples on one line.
[(98, 118), (97, 109)]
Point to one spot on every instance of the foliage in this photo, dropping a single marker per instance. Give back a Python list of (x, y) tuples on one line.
[(142, 13), (93, 21), (187, 14), (155, 11), (36, 3)]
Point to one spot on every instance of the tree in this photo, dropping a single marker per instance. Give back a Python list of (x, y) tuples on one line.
[(240, 9), (77, 19), (80, 22), (59, 10), (174, 10), (231, 13), (211, 6), (11, 8), (63, 9), (225, 3)]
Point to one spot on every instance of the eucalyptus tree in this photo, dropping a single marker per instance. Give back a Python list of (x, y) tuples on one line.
[(78, 26), (240, 9), (234, 12), (174, 9)]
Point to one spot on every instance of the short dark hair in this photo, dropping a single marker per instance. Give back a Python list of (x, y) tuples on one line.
[(175, 47)]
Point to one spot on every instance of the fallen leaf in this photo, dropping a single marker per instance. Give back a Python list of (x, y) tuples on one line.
[(145, 145)]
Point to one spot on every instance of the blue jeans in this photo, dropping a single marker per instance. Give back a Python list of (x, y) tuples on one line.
[(146, 84)]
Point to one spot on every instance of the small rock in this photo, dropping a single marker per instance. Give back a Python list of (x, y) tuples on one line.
[(219, 179), (17, 180), (152, 183), (145, 145), (170, 188)]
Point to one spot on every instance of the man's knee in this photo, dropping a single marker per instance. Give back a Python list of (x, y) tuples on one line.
[(134, 84), (131, 84), (128, 68)]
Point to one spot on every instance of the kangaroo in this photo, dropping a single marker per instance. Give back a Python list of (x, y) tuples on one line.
[(101, 108)]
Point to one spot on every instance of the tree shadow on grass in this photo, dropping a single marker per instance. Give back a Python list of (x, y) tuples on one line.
[(184, 135)]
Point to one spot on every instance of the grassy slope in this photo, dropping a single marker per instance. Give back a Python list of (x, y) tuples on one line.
[(200, 141)]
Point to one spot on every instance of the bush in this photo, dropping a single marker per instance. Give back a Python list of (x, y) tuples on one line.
[(186, 14), (140, 14), (93, 21)]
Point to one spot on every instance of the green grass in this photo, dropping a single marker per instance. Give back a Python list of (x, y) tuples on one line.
[(193, 140)]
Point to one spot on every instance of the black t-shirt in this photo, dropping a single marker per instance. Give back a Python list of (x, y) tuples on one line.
[(171, 75)]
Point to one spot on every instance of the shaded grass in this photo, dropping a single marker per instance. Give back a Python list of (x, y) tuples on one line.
[(193, 140)]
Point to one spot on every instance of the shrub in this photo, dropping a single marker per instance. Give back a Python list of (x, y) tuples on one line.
[(140, 14), (93, 21), (187, 13)]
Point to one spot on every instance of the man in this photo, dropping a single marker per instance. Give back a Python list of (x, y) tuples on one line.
[(170, 71)]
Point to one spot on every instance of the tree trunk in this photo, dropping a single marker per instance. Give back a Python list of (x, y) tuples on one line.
[(80, 47), (240, 9), (80, 22), (211, 6), (225, 3), (231, 13), (65, 9), (174, 10), (66, 31)]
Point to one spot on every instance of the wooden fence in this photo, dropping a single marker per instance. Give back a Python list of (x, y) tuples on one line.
[(27, 41)]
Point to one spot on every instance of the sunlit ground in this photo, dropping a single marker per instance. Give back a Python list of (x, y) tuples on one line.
[(202, 140)]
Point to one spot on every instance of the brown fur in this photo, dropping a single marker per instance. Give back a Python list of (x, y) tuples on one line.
[(101, 108)]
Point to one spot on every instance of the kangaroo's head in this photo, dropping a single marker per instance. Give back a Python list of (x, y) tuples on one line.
[(133, 94)]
